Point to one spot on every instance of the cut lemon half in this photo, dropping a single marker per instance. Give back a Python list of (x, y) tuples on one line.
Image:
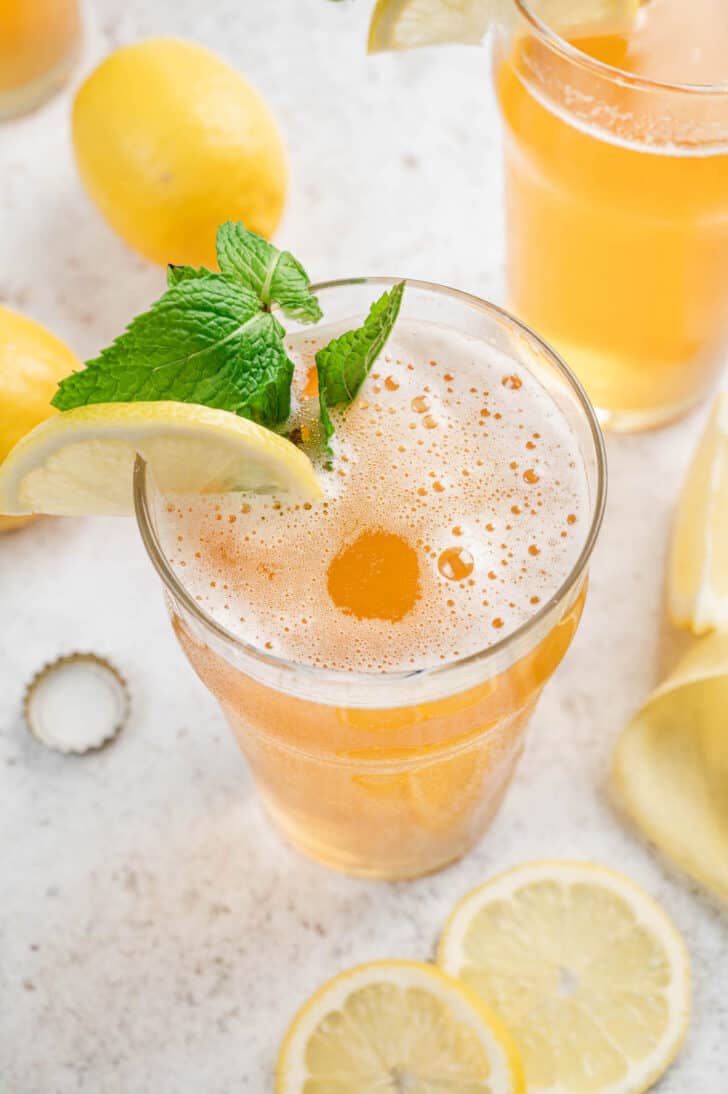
[(407, 24), (397, 1025), (586, 970), (671, 764), (698, 567), (81, 461)]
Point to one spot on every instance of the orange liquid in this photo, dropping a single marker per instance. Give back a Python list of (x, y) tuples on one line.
[(455, 505), (37, 37), (384, 793), (619, 255)]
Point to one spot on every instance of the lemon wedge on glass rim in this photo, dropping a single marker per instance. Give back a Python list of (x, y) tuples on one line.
[(671, 765), (397, 1026), (586, 970), (407, 24), (81, 461)]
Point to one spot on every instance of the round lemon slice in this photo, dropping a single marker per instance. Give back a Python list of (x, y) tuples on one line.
[(397, 1026), (587, 971), (81, 461), (671, 764), (407, 24), (698, 567)]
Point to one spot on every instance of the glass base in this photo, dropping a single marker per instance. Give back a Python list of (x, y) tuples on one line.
[(436, 854), (22, 100), (638, 421), (659, 391)]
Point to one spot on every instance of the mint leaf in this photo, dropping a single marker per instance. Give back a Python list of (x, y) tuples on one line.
[(204, 341), (287, 287), (175, 274), (326, 423), (213, 339), (344, 363), (244, 256), (276, 276), (263, 373)]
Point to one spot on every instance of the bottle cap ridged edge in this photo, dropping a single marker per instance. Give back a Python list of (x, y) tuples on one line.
[(106, 733)]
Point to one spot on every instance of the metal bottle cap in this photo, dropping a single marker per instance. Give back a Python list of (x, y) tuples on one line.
[(77, 703)]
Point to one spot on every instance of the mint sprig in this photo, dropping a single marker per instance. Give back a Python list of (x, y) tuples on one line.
[(276, 276), (205, 341), (344, 363), (211, 339)]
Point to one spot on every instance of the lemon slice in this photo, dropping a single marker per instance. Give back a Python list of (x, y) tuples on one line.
[(397, 1026), (698, 567), (587, 971), (81, 462), (671, 764), (407, 24)]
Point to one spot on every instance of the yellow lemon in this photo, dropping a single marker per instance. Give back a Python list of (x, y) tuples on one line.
[(32, 361), (397, 1025), (588, 973), (170, 142)]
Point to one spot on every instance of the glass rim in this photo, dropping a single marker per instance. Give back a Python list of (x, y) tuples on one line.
[(631, 79), (371, 681)]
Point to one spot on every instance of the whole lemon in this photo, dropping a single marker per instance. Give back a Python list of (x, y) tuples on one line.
[(32, 361), (170, 141)]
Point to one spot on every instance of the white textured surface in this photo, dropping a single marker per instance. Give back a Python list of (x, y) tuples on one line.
[(155, 935)]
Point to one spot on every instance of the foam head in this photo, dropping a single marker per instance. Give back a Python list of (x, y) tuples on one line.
[(456, 504)]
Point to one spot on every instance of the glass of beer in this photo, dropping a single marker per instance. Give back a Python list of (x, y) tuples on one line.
[(616, 163), (39, 43), (379, 652)]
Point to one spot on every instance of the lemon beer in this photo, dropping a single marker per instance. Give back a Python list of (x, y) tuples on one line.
[(378, 652), (616, 152)]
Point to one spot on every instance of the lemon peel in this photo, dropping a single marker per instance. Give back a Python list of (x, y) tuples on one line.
[(671, 765)]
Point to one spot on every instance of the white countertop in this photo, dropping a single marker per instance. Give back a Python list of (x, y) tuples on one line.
[(155, 934)]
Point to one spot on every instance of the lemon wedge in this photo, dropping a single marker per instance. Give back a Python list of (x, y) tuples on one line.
[(698, 567), (407, 24), (671, 765), (397, 1025), (588, 973), (81, 461)]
